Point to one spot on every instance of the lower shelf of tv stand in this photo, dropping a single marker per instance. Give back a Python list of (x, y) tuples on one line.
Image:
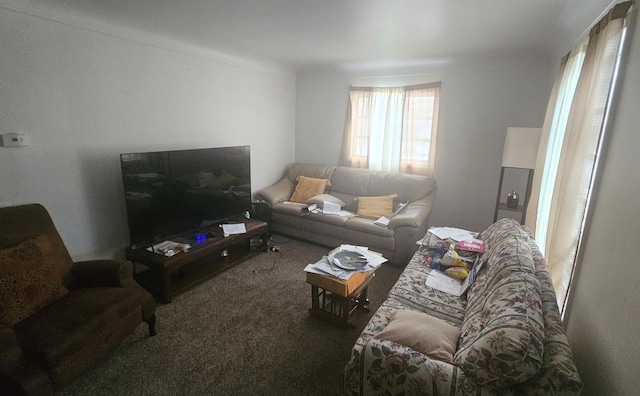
[(167, 276)]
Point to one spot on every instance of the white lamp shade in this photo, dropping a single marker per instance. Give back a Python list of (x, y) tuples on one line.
[(521, 148)]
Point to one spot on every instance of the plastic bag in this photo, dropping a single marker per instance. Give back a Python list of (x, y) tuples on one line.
[(457, 272), (451, 258)]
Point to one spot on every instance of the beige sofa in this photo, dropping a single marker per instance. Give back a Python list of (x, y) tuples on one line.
[(397, 241)]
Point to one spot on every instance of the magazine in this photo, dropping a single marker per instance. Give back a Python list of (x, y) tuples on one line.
[(169, 248)]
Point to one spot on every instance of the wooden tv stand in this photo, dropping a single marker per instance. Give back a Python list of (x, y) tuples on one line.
[(167, 276)]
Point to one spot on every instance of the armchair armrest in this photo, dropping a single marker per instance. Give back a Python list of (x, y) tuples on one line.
[(105, 273), (18, 375)]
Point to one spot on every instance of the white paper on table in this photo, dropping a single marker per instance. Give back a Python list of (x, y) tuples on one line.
[(312, 269), (457, 234), (346, 246), (444, 283), (325, 268), (232, 229), (343, 213), (373, 260)]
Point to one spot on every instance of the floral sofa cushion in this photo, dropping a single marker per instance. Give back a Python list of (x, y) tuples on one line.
[(558, 375), (503, 333), (503, 330), (409, 292)]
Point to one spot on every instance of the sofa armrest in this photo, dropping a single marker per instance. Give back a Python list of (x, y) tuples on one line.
[(276, 193), (414, 214), (19, 375), (391, 368), (104, 273)]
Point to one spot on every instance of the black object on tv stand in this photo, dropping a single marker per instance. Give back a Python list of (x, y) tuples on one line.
[(166, 276)]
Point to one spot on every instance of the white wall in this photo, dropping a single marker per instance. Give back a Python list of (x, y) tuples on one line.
[(603, 321), (480, 99), (83, 97)]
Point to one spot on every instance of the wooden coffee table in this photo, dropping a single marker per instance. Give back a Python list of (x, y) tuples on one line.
[(167, 276), (335, 299)]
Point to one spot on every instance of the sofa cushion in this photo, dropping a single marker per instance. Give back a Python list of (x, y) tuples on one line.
[(322, 198), (29, 281), (293, 215), (510, 253), (423, 333), (410, 291), (73, 322), (310, 170), (352, 181), (375, 207), (368, 226), (501, 228), (308, 187), (408, 187), (503, 333)]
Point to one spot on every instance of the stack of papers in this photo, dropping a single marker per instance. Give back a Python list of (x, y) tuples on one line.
[(439, 281), (457, 234), (327, 208), (233, 229), (326, 266), (169, 248)]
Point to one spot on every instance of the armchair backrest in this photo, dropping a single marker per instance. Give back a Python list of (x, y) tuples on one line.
[(24, 222)]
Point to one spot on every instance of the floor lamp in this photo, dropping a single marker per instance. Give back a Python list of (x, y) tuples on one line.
[(520, 152)]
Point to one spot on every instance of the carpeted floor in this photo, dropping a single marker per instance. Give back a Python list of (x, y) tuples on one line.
[(246, 331)]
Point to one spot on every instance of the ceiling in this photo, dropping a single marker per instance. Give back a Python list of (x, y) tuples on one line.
[(301, 33)]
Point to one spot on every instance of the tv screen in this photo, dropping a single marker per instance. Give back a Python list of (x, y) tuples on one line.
[(168, 193)]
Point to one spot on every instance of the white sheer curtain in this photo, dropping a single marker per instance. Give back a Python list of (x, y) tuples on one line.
[(554, 138), (420, 129), (385, 137), (570, 145), (392, 129)]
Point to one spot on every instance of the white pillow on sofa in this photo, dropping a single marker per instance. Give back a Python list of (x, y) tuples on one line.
[(321, 198)]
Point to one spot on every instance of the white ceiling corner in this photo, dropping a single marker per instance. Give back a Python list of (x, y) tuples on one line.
[(345, 33)]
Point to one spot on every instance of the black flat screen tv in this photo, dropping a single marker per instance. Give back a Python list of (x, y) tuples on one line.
[(171, 193)]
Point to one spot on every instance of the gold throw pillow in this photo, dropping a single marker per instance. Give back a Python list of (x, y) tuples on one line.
[(308, 187), (375, 207)]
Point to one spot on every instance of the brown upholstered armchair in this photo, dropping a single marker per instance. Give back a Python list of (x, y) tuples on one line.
[(58, 318)]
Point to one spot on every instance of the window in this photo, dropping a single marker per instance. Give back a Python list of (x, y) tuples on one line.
[(572, 146), (392, 129)]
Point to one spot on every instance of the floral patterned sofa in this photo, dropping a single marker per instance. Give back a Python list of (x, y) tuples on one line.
[(509, 341)]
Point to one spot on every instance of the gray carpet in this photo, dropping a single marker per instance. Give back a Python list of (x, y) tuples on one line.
[(246, 331)]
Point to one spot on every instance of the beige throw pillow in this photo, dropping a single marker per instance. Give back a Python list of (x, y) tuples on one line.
[(308, 187), (375, 207), (423, 333)]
